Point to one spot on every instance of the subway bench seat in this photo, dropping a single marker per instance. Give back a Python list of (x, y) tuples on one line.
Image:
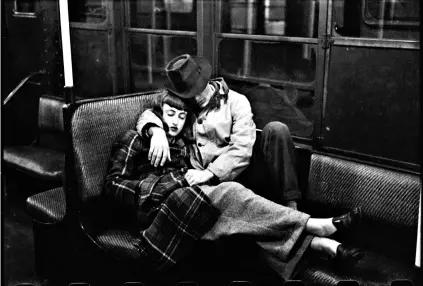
[(388, 229), (44, 159), (389, 200), (109, 234)]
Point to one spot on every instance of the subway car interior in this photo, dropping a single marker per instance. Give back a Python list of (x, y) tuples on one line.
[(342, 75)]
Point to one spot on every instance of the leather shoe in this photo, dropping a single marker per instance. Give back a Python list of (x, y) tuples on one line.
[(348, 220), (347, 256)]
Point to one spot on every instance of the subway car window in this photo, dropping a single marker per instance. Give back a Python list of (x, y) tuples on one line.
[(382, 19), (149, 55), (24, 7), (287, 69), (164, 14), (87, 11), (278, 62), (297, 18)]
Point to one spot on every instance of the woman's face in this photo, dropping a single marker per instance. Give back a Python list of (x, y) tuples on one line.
[(174, 118)]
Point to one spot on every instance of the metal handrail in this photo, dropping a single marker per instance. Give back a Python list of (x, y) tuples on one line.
[(15, 90)]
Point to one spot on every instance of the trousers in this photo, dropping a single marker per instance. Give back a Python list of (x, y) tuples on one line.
[(272, 171), (277, 229)]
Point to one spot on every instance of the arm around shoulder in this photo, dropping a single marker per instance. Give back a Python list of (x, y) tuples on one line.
[(147, 120)]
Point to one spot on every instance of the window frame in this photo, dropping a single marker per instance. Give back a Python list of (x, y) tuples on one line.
[(374, 22), (19, 14), (130, 31)]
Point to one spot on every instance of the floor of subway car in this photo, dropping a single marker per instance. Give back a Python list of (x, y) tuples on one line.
[(17, 232), (18, 248)]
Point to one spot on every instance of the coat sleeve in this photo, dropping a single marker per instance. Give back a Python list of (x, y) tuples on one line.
[(146, 120), (236, 158), (121, 182)]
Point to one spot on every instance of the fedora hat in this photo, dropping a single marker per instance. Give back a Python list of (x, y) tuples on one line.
[(188, 76)]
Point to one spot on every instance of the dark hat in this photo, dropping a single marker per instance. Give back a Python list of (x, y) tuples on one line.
[(188, 75)]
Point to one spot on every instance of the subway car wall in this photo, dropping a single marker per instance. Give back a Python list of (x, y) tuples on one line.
[(353, 90)]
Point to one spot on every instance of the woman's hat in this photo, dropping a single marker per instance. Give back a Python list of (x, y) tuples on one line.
[(188, 75)]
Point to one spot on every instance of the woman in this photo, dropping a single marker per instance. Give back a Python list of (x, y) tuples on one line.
[(170, 214), (230, 207)]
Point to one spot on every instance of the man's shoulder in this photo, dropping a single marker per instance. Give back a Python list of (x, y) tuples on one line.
[(236, 97), (224, 89)]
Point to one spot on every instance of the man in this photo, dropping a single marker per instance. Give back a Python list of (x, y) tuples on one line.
[(226, 136)]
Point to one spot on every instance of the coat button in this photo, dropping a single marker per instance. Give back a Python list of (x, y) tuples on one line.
[(200, 121)]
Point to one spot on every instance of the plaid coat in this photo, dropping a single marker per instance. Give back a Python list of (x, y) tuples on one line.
[(172, 215)]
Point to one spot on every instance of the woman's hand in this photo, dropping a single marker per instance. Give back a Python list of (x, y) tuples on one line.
[(196, 177), (159, 147)]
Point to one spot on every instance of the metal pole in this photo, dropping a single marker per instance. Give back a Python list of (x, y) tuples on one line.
[(66, 50), (381, 18), (247, 43)]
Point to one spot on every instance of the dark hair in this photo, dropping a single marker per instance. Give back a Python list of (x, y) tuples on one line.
[(182, 104), (176, 102), (214, 102)]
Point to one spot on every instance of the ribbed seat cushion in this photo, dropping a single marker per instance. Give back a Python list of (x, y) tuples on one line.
[(41, 163), (119, 243), (388, 229), (373, 269), (48, 206)]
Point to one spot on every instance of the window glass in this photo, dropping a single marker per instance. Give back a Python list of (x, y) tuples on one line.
[(395, 11), (274, 61), (293, 107), (87, 11), (148, 64), (297, 18), (164, 14), (24, 7), (290, 106), (383, 19)]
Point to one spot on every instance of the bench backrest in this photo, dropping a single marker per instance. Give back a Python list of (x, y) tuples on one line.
[(50, 123), (389, 199), (95, 126)]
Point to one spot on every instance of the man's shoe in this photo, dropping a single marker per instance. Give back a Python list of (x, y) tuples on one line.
[(347, 256), (347, 221)]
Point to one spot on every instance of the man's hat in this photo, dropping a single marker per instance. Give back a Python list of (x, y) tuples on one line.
[(188, 75)]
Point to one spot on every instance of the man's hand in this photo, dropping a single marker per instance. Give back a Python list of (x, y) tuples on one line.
[(195, 177), (159, 147)]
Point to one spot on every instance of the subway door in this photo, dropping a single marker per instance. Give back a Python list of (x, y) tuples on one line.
[(24, 46), (22, 53), (373, 97)]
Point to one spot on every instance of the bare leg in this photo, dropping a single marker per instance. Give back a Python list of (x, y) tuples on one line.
[(324, 244), (320, 226)]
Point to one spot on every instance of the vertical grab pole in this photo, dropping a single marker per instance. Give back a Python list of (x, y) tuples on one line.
[(419, 237), (247, 43), (66, 50), (381, 18)]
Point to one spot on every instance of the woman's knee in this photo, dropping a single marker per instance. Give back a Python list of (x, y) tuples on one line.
[(231, 185), (276, 127)]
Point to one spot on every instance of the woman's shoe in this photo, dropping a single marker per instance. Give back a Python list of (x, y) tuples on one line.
[(347, 256), (347, 221)]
